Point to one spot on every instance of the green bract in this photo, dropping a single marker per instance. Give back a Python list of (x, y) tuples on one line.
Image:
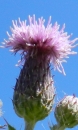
[(34, 90)]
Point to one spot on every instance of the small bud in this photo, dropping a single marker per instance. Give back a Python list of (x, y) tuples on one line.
[(66, 112)]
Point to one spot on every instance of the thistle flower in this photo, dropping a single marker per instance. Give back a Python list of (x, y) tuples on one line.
[(39, 45), (66, 112), (48, 40), (34, 90)]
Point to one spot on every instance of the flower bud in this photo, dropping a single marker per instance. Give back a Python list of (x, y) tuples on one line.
[(66, 112)]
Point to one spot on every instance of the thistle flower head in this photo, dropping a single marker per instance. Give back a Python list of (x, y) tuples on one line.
[(37, 38), (66, 112)]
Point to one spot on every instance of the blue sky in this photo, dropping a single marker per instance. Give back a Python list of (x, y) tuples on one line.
[(62, 11)]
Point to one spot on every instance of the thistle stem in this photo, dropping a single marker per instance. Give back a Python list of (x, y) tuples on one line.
[(29, 126)]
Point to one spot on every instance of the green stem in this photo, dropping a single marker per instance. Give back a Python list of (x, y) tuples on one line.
[(29, 126)]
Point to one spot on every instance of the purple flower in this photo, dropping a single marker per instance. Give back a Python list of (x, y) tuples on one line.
[(38, 38)]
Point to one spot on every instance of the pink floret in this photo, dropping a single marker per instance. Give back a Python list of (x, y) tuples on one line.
[(53, 42)]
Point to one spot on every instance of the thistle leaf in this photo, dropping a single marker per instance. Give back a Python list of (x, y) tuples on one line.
[(9, 126)]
